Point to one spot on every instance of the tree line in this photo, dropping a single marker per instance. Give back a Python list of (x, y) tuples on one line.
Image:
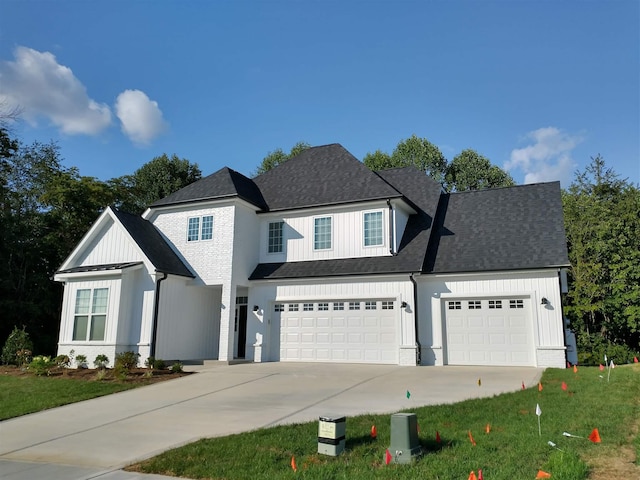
[(46, 208)]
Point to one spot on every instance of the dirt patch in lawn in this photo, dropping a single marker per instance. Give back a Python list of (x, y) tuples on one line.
[(137, 375)]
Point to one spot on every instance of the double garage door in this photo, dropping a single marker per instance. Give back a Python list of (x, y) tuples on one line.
[(358, 331), (496, 331)]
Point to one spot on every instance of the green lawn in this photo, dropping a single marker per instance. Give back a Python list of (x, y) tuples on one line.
[(28, 394), (512, 450)]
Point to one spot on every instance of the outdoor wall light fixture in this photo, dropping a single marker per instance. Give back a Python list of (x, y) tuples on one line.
[(544, 301), (256, 308), (404, 305)]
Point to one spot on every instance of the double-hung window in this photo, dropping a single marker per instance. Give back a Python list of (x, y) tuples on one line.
[(90, 314), (275, 237), (200, 228), (322, 233), (372, 229)]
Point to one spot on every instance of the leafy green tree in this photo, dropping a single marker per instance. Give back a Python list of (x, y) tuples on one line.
[(471, 171), (378, 160), (413, 151), (602, 222), (156, 179), (278, 156)]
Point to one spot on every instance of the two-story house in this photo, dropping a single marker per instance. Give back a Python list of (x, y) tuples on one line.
[(323, 260)]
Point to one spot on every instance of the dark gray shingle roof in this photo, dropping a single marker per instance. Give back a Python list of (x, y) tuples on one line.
[(325, 175), (153, 244), (100, 268), (221, 184), (499, 229)]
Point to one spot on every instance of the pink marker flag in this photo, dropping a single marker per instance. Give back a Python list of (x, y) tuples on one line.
[(387, 457), (601, 367), (564, 386), (635, 359)]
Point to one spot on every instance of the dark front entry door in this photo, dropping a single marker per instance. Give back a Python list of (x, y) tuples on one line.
[(241, 329)]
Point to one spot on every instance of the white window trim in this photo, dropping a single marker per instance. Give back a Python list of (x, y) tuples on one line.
[(313, 228), (283, 239), (89, 316), (364, 230), (200, 224)]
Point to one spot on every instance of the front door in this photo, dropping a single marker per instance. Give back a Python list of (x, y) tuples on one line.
[(241, 330)]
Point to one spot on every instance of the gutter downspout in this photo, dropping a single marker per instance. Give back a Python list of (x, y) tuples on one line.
[(156, 312), (392, 229), (415, 318)]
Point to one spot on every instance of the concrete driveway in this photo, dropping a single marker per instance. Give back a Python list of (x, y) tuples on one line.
[(96, 438)]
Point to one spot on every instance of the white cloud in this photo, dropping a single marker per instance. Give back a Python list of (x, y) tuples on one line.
[(41, 87), (547, 158), (140, 117)]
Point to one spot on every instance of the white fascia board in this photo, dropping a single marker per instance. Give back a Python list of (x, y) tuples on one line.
[(150, 212), (400, 204), (79, 276), (386, 277), (425, 277), (328, 209)]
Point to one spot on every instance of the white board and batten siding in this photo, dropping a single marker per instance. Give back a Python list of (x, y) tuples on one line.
[(347, 235), (314, 322), (112, 244), (492, 319), (189, 320)]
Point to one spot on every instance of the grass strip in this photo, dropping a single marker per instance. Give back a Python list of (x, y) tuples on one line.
[(511, 450), (29, 394)]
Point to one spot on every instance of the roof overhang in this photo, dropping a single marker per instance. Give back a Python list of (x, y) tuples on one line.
[(86, 271)]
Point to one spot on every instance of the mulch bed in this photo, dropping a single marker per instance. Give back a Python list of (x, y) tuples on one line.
[(137, 375)]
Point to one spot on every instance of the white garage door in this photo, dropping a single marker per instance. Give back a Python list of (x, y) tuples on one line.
[(362, 331), (493, 331)]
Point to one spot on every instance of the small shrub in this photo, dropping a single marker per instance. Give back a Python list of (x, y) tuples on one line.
[(125, 362), (17, 341), (42, 365), (81, 361), (101, 361), (62, 361), (176, 367), (155, 363), (101, 374)]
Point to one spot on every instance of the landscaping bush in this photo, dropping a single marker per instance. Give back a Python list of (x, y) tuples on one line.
[(81, 361), (62, 361), (593, 348), (101, 361), (176, 367), (155, 363), (125, 362), (18, 347), (42, 365)]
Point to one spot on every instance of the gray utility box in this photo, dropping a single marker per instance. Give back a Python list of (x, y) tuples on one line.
[(331, 435), (405, 446)]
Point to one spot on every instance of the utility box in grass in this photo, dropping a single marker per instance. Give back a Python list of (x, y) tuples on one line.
[(405, 446), (331, 435)]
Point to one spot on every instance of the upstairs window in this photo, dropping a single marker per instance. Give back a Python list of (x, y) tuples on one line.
[(372, 229), (322, 233), (275, 237), (200, 228), (90, 314)]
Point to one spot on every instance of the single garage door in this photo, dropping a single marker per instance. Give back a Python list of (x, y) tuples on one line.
[(358, 331), (494, 331)]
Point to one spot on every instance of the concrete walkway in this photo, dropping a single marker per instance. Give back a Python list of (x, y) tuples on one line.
[(96, 438)]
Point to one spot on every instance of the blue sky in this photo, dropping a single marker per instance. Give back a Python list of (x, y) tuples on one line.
[(536, 86)]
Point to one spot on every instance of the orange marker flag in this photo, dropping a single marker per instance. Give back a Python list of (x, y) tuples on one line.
[(487, 429), (595, 436), (294, 467), (387, 457), (575, 369), (564, 386), (473, 442), (539, 386), (374, 432), (472, 476), (438, 440), (542, 474), (601, 367)]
